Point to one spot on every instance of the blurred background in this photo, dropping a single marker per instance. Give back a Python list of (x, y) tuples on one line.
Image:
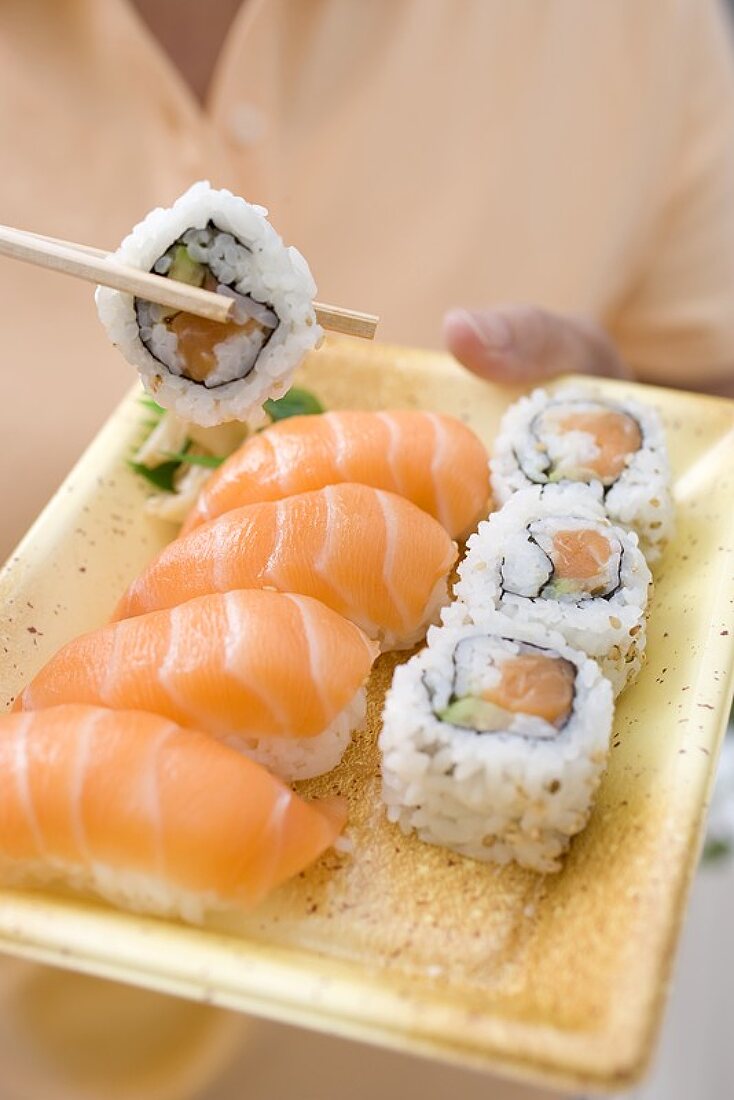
[(423, 155)]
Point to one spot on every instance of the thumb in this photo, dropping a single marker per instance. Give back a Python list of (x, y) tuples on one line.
[(516, 344)]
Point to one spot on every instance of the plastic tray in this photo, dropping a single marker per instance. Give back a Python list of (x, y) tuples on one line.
[(560, 978)]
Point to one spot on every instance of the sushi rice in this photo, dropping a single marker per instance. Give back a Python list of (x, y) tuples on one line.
[(253, 668), (294, 758), (498, 785), (215, 235), (508, 567), (534, 448), (125, 889), (128, 806)]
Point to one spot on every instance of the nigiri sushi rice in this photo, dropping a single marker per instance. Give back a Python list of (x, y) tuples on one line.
[(494, 741), (278, 677), (129, 807), (205, 371), (616, 447), (550, 556), (374, 557)]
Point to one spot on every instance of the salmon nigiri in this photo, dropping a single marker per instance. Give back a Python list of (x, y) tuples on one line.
[(278, 676), (372, 556), (152, 817), (433, 460)]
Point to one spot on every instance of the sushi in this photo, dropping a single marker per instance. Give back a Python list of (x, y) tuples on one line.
[(131, 808), (372, 556), (550, 556), (204, 371), (616, 447), (279, 677), (434, 461), (494, 741)]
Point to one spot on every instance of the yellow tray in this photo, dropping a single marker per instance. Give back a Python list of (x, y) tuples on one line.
[(559, 978)]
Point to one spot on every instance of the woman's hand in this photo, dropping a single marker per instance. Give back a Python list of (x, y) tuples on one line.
[(516, 344)]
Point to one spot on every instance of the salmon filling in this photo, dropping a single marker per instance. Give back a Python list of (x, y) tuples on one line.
[(615, 435), (204, 351), (492, 686), (199, 339), (581, 441), (580, 554), (574, 563)]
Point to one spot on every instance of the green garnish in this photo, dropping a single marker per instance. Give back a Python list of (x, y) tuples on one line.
[(475, 713), (160, 476), (295, 403), (210, 461), (185, 270), (150, 404)]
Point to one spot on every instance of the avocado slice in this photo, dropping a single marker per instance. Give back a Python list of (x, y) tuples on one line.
[(185, 270), (561, 587), (474, 713)]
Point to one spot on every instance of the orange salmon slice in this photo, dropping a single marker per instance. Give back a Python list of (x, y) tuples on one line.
[(535, 684), (198, 337), (615, 434), (84, 789), (579, 554)]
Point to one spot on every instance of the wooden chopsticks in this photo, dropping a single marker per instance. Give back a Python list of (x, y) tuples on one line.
[(97, 266), (83, 263)]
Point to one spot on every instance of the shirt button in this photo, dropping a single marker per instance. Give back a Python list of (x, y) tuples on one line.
[(247, 124)]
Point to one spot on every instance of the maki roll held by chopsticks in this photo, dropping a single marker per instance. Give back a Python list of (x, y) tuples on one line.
[(205, 371)]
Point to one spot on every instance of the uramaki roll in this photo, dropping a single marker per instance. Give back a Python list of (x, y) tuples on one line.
[(204, 371), (494, 741)]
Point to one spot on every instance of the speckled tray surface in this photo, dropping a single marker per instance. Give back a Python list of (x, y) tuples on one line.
[(561, 978)]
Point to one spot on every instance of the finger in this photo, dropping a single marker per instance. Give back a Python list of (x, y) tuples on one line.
[(516, 344)]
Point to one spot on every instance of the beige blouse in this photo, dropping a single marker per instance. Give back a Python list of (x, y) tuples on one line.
[(420, 153)]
